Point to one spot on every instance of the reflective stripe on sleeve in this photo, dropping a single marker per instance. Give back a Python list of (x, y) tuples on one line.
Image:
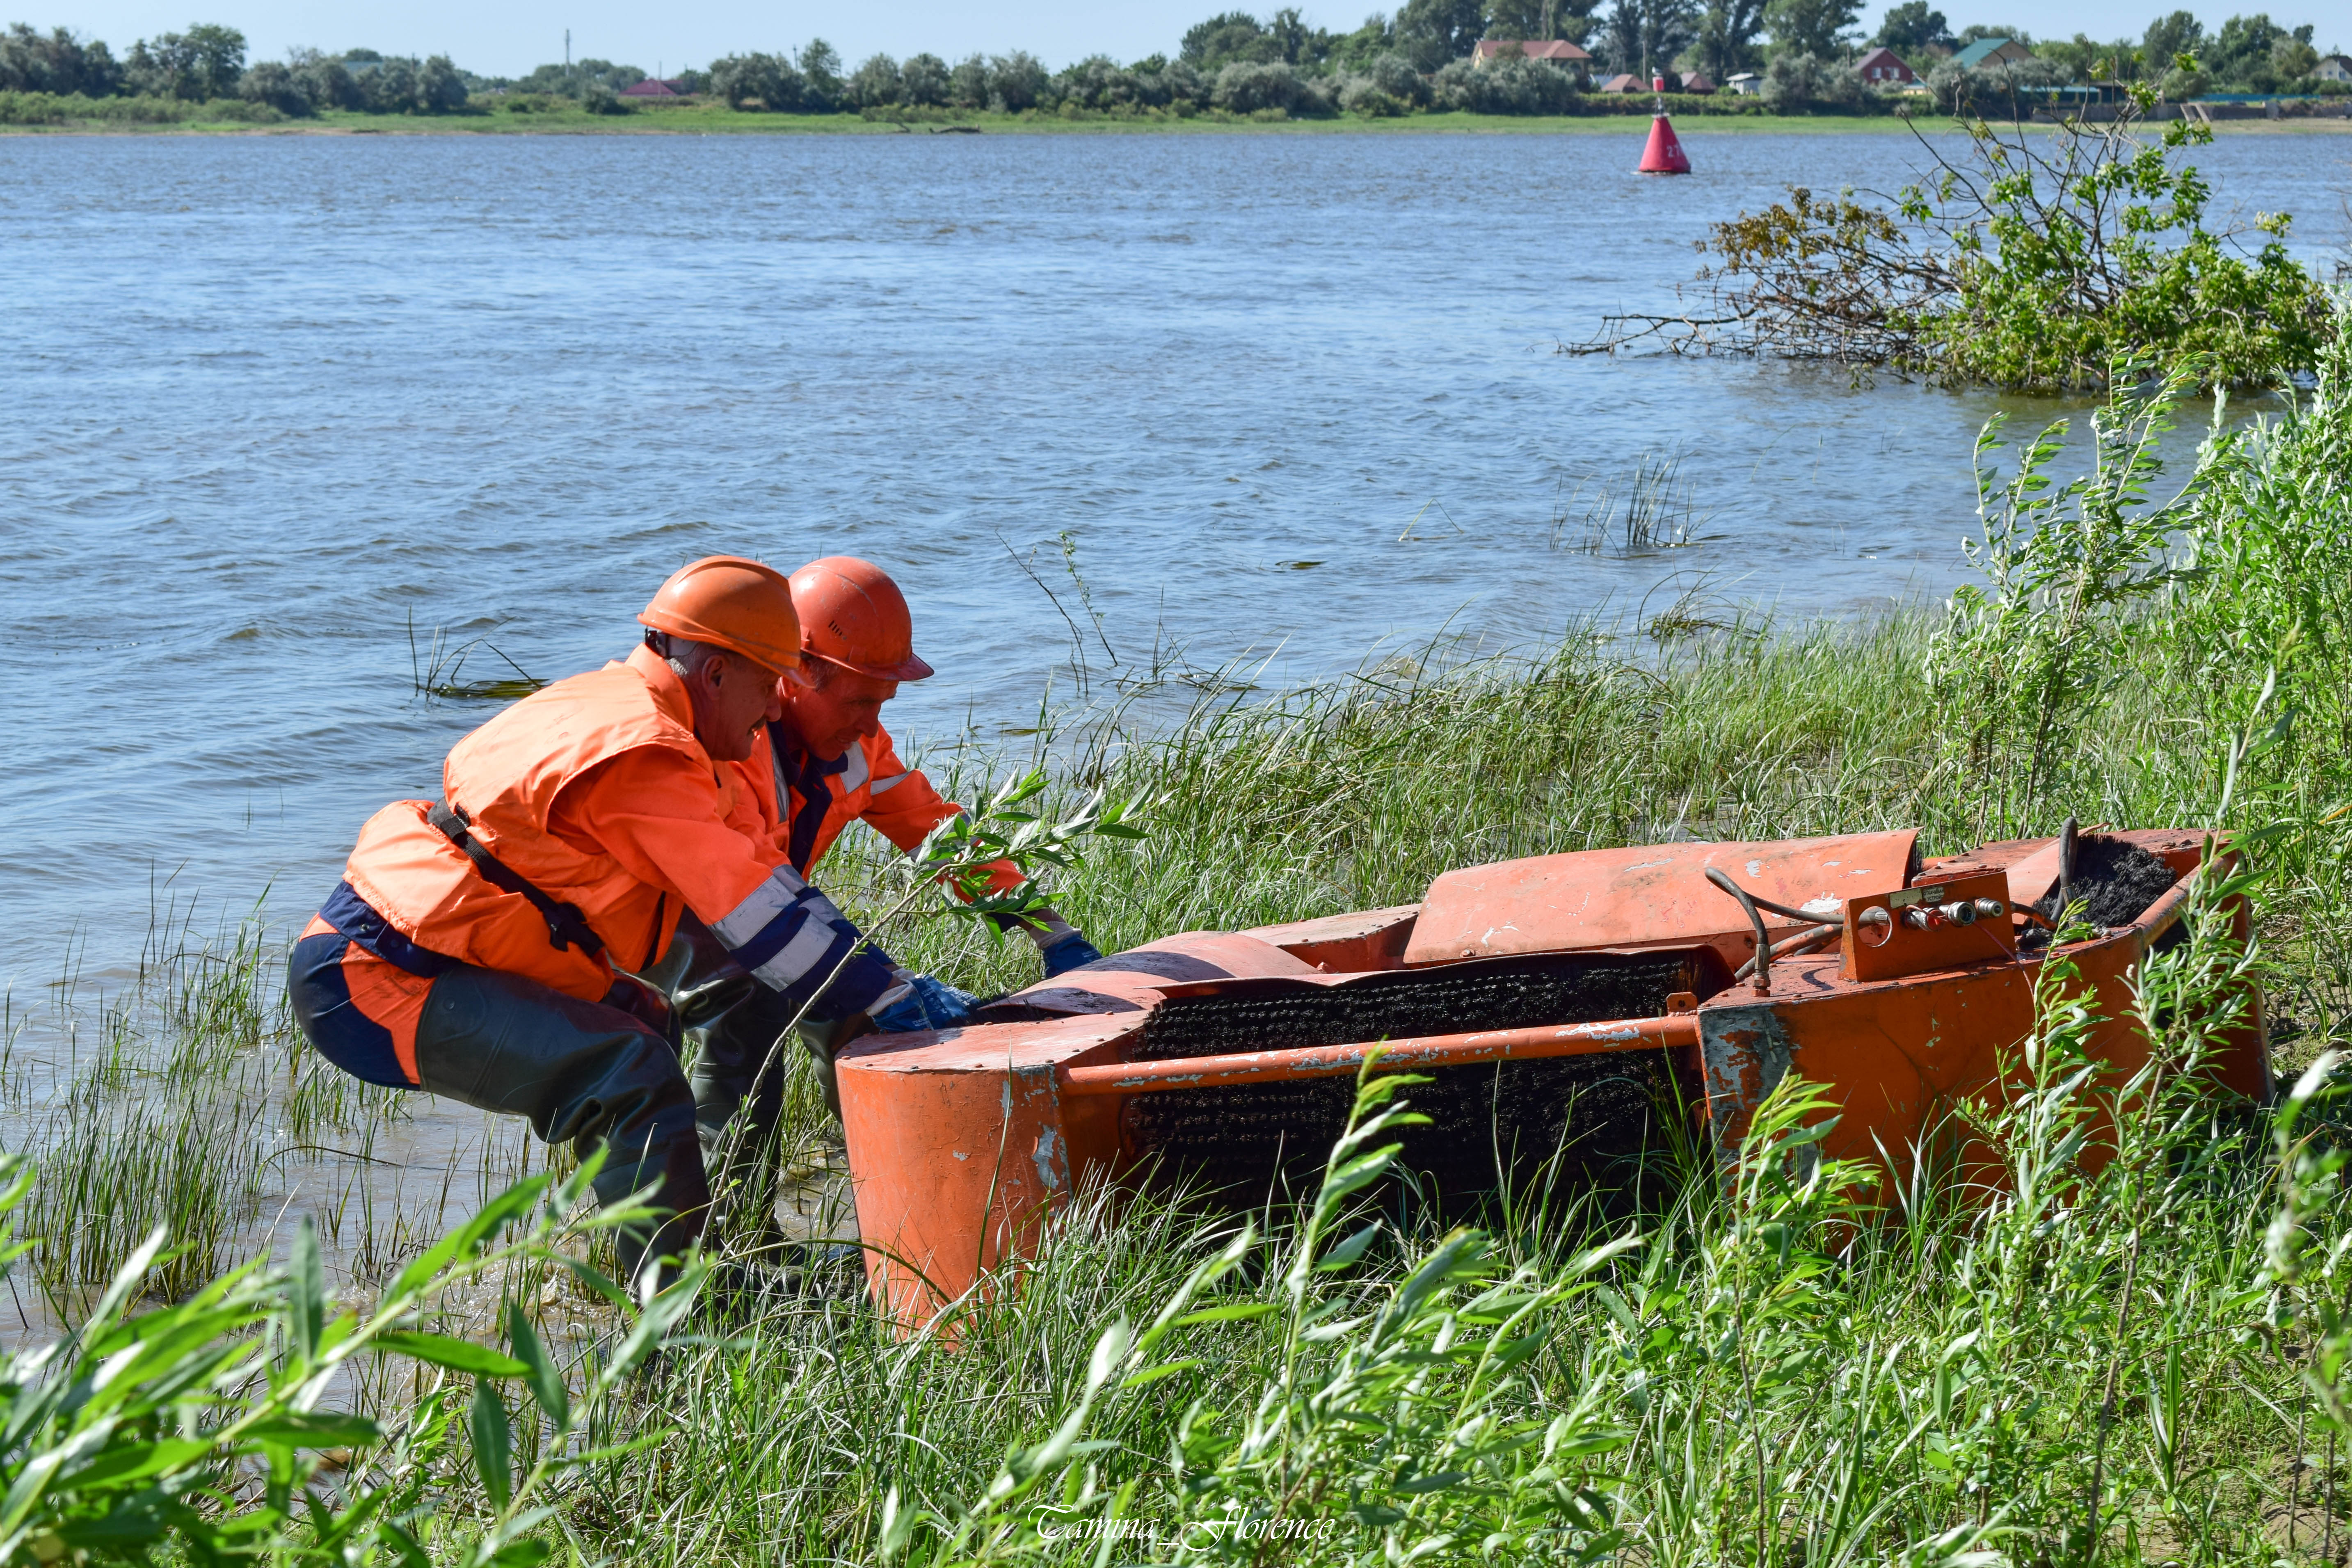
[(792, 940), (770, 898), (893, 782)]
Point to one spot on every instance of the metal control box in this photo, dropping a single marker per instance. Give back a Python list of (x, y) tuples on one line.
[(1932, 925)]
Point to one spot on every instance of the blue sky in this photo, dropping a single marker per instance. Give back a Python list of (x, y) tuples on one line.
[(507, 39)]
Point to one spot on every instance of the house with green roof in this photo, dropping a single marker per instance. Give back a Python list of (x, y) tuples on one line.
[(1986, 53)]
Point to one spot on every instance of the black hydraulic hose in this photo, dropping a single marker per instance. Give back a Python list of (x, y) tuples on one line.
[(1799, 942), (1761, 902), (2065, 868), (1763, 959)]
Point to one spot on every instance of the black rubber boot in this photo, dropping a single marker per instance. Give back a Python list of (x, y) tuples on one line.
[(737, 1079), (584, 1073), (741, 1070)]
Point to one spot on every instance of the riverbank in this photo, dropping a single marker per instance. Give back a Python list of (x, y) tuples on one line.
[(718, 120), (1953, 1373), (1932, 1374)]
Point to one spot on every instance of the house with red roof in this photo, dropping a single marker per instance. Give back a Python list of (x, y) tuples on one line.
[(1883, 68), (653, 87), (1553, 51)]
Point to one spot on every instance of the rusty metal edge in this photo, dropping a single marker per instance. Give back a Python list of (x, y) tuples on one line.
[(1425, 1051)]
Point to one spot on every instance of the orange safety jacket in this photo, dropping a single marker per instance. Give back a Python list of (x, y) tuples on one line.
[(595, 792), (808, 800)]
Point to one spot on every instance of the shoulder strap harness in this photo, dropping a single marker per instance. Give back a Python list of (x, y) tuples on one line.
[(565, 925)]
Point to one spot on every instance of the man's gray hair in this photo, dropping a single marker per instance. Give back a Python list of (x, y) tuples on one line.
[(683, 655)]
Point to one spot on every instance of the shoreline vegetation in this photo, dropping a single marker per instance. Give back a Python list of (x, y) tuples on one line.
[(233, 117), (2127, 1348), (1433, 59), (2058, 262)]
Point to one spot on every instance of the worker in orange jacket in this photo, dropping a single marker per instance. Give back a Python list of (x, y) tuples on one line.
[(486, 947), (826, 761)]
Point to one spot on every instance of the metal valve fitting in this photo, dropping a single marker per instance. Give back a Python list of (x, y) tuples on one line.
[(1991, 908)]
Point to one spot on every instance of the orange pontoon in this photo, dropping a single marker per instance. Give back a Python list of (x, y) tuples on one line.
[(1557, 1002)]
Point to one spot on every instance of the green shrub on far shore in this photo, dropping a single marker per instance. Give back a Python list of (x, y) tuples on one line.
[(56, 109)]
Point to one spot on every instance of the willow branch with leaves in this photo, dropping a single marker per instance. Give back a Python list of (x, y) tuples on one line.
[(2047, 258)]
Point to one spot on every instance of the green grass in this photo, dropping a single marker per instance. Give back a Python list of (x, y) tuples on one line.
[(1795, 1366)]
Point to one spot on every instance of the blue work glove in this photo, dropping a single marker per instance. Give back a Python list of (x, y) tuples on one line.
[(1068, 951), (929, 1004)]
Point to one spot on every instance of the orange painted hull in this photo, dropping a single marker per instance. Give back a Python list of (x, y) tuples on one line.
[(963, 1144)]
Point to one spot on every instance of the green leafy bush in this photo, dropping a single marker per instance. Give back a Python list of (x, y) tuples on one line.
[(1247, 87), (2041, 261), (768, 82), (1801, 83), (1510, 86), (49, 108), (2068, 264)]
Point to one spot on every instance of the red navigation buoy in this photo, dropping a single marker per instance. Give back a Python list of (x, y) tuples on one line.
[(1664, 155)]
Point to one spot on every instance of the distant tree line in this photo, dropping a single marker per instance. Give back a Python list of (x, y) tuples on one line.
[(208, 63), (1244, 82), (1236, 63), (1420, 59)]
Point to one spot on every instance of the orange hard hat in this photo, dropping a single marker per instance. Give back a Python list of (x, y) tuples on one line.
[(730, 602), (852, 615)]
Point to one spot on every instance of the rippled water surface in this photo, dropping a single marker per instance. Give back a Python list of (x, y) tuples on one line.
[(270, 401)]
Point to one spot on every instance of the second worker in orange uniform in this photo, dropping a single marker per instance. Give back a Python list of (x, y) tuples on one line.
[(824, 763)]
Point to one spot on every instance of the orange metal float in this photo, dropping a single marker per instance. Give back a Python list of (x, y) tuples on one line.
[(1562, 1005)]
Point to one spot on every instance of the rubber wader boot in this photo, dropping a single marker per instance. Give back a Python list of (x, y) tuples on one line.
[(584, 1073)]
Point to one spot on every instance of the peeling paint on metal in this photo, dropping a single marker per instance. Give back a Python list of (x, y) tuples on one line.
[(1048, 1162), (1747, 1052)]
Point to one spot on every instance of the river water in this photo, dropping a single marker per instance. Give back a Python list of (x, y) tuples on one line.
[(274, 403)]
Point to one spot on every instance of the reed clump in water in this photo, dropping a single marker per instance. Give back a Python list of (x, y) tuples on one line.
[(2140, 1358)]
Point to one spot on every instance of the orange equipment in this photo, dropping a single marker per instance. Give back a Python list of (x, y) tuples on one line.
[(1561, 1004), (852, 615), (730, 602)]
